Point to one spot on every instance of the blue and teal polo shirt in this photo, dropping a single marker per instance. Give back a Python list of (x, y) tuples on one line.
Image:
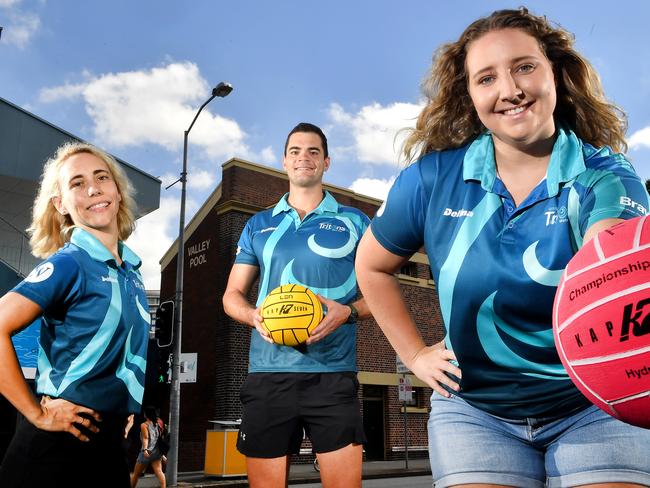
[(497, 265), (94, 326), (317, 252)]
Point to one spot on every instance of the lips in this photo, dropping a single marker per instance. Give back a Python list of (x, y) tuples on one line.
[(516, 110), (99, 205)]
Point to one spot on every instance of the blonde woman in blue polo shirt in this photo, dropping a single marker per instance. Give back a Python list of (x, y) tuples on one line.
[(89, 297), (518, 165)]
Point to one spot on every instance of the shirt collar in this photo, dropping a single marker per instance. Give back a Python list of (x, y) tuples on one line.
[(327, 204), (567, 161), (89, 243)]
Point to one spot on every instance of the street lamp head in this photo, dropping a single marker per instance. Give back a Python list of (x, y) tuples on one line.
[(223, 89)]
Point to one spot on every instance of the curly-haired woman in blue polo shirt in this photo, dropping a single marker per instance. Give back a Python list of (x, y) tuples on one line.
[(518, 166), (89, 297)]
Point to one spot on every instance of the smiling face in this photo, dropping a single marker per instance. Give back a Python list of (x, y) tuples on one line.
[(88, 194), (512, 86), (305, 160)]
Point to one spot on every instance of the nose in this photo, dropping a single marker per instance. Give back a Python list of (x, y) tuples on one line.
[(508, 88), (94, 189), (304, 154)]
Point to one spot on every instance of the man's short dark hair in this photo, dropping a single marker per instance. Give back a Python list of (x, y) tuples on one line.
[(307, 127)]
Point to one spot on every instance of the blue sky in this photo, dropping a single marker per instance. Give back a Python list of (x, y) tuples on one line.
[(129, 75)]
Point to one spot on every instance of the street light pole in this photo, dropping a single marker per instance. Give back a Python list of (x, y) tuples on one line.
[(221, 90)]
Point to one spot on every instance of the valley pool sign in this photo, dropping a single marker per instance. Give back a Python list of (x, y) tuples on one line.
[(198, 253)]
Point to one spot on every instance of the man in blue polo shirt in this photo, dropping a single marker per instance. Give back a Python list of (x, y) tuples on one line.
[(307, 239)]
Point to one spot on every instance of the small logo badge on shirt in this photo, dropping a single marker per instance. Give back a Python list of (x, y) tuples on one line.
[(40, 273), (109, 278), (555, 215), (268, 229)]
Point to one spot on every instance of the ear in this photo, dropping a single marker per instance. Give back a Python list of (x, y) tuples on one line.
[(58, 204), (327, 163)]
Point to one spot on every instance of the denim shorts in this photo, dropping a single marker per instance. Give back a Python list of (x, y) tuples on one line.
[(468, 445)]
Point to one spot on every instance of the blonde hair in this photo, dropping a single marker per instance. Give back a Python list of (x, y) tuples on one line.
[(449, 120), (49, 229)]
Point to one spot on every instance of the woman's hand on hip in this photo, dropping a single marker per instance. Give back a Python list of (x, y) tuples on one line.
[(59, 415), (431, 363)]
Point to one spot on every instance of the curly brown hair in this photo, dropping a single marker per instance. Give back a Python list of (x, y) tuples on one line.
[(449, 120)]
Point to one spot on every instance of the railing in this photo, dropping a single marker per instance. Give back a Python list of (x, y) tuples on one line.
[(14, 249)]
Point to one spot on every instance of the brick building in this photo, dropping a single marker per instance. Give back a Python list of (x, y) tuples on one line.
[(222, 345)]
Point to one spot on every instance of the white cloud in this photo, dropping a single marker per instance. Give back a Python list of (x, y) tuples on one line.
[(153, 235), (267, 156), (201, 180), (640, 138), (8, 3), (376, 129), (197, 179), (21, 26), (155, 107), (373, 187), (62, 92)]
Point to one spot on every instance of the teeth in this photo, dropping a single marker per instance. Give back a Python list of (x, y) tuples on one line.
[(514, 111), (100, 205)]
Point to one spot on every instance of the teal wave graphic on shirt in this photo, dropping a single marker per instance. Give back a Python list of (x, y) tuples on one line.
[(498, 351), (338, 252), (467, 234), (136, 389), (267, 255), (537, 272), (333, 293), (91, 354)]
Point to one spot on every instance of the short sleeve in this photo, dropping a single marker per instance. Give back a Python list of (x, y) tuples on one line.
[(399, 223), (616, 192), (53, 283), (245, 253)]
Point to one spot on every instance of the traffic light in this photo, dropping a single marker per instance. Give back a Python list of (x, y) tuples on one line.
[(164, 372), (165, 324)]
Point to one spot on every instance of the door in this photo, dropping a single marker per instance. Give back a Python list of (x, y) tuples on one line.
[(373, 421)]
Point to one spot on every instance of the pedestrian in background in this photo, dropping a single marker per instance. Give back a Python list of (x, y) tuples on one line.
[(89, 297), (150, 453)]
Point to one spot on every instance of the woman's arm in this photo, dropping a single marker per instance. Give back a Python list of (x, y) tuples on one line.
[(375, 267), (16, 313), (598, 226)]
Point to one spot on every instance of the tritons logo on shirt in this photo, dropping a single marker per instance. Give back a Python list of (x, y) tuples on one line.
[(448, 212), (40, 273), (555, 215)]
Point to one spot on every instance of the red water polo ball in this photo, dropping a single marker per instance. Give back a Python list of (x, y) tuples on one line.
[(601, 320)]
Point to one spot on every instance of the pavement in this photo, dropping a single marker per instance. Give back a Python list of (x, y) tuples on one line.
[(299, 474)]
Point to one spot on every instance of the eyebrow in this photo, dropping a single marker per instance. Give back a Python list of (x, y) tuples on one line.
[(512, 61), (316, 148), (95, 173)]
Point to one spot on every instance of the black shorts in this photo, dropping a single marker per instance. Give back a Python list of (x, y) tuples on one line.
[(59, 460), (279, 406)]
